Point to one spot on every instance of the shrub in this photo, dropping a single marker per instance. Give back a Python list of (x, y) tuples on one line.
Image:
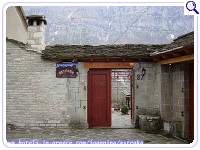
[(124, 109)]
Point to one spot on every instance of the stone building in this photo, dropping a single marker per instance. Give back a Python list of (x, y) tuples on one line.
[(162, 81), (16, 26)]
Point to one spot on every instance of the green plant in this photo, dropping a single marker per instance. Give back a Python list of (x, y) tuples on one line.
[(124, 109)]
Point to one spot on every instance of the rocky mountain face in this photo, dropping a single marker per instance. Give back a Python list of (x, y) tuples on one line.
[(113, 25)]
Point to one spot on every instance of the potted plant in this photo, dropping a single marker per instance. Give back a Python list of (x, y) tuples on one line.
[(124, 110)]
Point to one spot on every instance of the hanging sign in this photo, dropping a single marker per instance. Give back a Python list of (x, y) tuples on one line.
[(66, 70)]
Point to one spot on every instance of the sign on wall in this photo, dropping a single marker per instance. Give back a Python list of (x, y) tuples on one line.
[(66, 70)]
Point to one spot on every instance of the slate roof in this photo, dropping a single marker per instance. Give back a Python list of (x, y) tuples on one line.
[(102, 51), (59, 52), (22, 45), (182, 42), (17, 43)]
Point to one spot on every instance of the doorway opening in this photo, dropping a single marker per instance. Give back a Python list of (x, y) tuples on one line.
[(121, 96), (101, 105)]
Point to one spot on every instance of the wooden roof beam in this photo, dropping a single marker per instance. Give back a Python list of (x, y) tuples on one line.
[(189, 51), (139, 59), (156, 59), (111, 65), (175, 54), (177, 59), (165, 56)]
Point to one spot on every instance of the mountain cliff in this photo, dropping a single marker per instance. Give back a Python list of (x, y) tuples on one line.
[(113, 25)]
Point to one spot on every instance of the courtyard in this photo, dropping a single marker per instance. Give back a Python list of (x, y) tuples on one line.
[(121, 132), (55, 135)]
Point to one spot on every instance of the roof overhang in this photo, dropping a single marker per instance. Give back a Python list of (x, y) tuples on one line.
[(176, 55), (107, 59)]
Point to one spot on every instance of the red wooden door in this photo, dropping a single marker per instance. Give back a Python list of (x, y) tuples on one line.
[(191, 102), (99, 98)]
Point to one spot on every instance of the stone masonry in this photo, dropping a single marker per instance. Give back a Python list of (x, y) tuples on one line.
[(35, 97), (175, 98), (164, 91), (36, 32), (147, 96), (147, 101)]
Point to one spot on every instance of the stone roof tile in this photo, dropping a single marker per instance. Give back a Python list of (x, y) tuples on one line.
[(102, 51), (110, 51)]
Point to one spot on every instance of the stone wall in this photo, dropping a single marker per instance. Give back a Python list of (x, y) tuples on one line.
[(147, 90), (166, 92), (35, 97), (175, 95)]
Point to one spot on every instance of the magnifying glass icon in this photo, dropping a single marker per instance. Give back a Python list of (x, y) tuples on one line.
[(191, 6)]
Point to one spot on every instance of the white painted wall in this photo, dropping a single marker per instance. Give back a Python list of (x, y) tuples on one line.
[(15, 28)]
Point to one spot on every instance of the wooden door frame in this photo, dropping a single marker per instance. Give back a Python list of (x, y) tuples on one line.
[(114, 65)]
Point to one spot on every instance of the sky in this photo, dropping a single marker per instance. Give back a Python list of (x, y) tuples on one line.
[(113, 25)]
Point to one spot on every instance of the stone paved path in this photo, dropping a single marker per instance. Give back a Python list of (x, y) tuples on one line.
[(121, 121), (49, 134), (121, 131)]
